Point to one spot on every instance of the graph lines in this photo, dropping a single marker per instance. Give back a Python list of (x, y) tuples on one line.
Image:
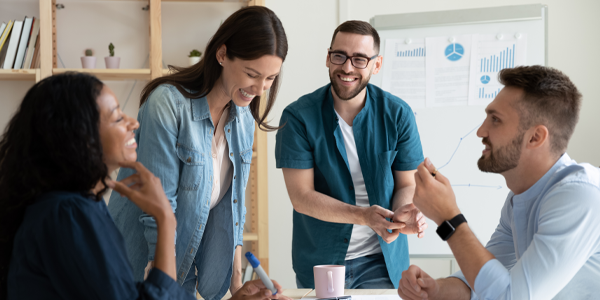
[(458, 146)]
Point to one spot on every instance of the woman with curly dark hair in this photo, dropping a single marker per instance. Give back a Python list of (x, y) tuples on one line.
[(57, 239)]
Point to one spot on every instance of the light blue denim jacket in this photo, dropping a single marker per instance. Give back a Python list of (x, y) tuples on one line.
[(174, 142)]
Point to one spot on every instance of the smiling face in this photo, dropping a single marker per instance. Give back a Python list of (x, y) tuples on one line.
[(348, 81), (116, 131), (502, 137), (243, 80)]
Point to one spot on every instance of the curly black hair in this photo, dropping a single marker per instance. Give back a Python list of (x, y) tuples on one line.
[(52, 143)]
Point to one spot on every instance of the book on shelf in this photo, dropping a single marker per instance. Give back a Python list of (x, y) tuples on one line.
[(23, 41), (2, 27), (13, 43), (35, 62), (35, 31), (3, 44)]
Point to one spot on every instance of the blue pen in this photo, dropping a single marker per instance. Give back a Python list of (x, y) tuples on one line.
[(260, 272)]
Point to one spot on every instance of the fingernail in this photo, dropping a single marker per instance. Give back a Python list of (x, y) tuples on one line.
[(267, 293), (428, 162)]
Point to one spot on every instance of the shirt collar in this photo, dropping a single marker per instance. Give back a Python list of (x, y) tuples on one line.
[(329, 104), (537, 188), (201, 111)]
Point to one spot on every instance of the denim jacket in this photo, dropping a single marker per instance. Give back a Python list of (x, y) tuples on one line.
[(174, 142)]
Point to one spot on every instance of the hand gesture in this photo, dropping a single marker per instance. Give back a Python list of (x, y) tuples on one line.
[(375, 217), (433, 194), (415, 284), (412, 218), (256, 290), (144, 189)]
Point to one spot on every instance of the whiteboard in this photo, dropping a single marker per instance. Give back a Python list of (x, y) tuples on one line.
[(448, 134)]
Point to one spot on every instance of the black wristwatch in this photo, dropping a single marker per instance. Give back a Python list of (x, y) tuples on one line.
[(447, 228)]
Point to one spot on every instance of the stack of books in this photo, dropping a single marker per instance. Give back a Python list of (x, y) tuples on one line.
[(19, 44)]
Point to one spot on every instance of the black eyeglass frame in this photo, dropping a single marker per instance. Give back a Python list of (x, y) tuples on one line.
[(351, 57)]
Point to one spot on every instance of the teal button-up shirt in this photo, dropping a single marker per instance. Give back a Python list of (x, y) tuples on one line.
[(387, 140)]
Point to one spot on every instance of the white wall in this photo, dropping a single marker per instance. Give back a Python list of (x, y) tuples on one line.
[(573, 30), (309, 26)]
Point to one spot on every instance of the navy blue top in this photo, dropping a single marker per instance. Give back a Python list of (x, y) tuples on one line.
[(387, 140), (68, 247)]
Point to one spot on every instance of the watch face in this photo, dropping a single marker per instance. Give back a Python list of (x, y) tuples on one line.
[(445, 230)]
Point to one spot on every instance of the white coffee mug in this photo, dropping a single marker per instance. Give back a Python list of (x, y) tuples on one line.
[(329, 280)]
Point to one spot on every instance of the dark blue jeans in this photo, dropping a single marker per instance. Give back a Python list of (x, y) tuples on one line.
[(367, 272)]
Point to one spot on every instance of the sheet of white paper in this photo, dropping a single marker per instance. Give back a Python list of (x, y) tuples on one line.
[(404, 70), (492, 53), (447, 70), (365, 297)]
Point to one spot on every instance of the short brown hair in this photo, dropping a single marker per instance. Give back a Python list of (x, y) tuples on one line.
[(358, 27), (549, 99)]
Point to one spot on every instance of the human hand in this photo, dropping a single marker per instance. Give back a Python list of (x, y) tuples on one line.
[(434, 195), (413, 218), (415, 284), (375, 217), (256, 290), (145, 190)]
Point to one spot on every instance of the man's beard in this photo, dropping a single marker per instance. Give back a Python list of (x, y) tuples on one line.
[(502, 159), (343, 93)]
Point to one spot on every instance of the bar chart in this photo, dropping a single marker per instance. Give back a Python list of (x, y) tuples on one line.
[(488, 93), (496, 62), (418, 52), (493, 53)]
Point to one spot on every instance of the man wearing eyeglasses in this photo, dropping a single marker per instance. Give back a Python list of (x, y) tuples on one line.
[(349, 151)]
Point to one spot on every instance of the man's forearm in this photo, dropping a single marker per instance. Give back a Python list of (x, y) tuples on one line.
[(452, 289), (469, 252), (403, 196), (325, 208)]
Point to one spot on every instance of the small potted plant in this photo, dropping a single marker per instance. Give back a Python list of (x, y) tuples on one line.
[(88, 61), (112, 62), (194, 57)]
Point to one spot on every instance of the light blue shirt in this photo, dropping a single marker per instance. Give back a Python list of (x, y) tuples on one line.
[(175, 144), (547, 245)]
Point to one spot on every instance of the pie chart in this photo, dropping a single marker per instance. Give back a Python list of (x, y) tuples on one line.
[(485, 79), (454, 52)]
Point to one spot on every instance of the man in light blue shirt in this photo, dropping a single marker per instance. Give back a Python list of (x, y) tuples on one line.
[(547, 245)]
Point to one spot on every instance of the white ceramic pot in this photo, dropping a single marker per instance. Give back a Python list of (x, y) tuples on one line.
[(194, 60), (88, 62), (112, 62)]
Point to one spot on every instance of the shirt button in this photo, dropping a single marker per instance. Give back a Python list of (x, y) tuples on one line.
[(210, 131), (230, 154), (236, 223), (235, 201), (214, 155), (345, 240), (200, 227), (189, 159), (233, 176), (228, 130)]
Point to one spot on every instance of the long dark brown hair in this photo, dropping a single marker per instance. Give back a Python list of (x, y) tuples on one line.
[(52, 143), (248, 34)]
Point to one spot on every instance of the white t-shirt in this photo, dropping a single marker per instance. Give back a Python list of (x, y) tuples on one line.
[(364, 240), (222, 167)]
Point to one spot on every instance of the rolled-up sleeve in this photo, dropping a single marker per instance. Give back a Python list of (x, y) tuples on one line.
[(292, 149)]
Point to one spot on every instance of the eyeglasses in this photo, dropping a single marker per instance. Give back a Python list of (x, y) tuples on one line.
[(359, 62)]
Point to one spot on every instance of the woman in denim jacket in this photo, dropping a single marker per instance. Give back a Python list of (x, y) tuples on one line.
[(196, 134)]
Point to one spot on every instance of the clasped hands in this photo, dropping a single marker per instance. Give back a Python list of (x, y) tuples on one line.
[(407, 219)]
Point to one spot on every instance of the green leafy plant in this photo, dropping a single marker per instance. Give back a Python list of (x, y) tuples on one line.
[(195, 53), (89, 52), (111, 49)]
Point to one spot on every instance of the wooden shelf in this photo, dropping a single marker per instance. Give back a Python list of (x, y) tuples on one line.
[(22, 74), (248, 236), (111, 74)]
